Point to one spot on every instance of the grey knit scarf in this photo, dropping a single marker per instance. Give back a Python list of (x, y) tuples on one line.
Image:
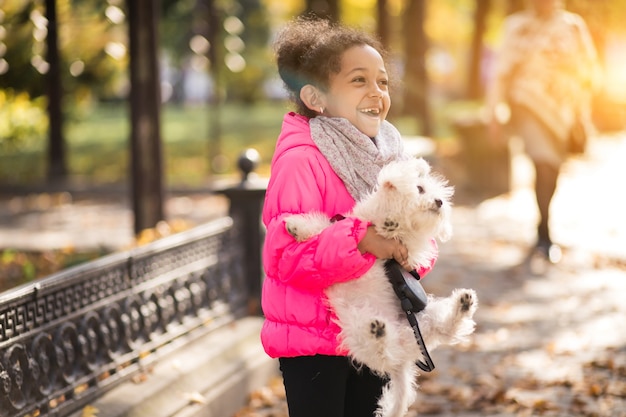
[(354, 157)]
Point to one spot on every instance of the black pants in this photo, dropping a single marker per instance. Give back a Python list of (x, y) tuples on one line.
[(545, 187), (329, 386)]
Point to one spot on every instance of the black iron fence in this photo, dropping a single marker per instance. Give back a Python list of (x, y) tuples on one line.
[(68, 338)]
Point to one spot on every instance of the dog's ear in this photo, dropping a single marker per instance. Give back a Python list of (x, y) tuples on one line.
[(388, 185), (422, 167)]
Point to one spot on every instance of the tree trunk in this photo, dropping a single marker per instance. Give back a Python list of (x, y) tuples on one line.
[(383, 22), (215, 103), (145, 102), (57, 167), (416, 78), (475, 88)]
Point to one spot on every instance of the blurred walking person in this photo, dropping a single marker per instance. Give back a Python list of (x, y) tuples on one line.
[(545, 72)]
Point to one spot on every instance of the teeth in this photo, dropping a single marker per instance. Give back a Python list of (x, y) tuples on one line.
[(372, 111)]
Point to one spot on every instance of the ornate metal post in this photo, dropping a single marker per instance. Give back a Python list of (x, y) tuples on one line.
[(246, 204)]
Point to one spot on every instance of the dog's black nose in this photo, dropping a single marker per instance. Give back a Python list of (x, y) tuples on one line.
[(439, 203)]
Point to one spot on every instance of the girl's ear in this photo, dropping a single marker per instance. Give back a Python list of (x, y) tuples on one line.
[(313, 98)]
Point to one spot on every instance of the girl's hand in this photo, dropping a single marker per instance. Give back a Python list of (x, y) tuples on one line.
[(384, 248)]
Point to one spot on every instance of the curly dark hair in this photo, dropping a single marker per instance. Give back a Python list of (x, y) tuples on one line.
[(309, 50)]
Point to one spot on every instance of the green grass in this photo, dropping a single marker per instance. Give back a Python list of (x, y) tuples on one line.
[(98, 144)]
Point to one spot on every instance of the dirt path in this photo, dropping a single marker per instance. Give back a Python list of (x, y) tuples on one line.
[(551, 344), (550, 341)]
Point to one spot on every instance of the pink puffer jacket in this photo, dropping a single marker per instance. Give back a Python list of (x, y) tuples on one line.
[(298, 320)]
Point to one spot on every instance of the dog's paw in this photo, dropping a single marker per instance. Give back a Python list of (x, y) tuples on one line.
[(377, 329), (291, 224), (390, 226), (304, 226), (466, 301), (450, 320)]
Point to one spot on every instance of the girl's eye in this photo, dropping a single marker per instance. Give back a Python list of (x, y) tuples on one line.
[(383, 82), (359, 80), (420, 189)]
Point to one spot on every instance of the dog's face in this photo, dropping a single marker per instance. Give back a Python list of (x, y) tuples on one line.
[(416, 199)]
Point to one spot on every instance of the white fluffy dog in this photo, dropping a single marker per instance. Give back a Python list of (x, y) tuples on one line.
[(410, 204)]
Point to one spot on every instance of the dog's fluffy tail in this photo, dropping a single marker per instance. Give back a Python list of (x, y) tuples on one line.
[(399, 393)]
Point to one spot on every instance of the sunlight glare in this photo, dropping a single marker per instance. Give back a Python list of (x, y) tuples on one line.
[(615, 73)]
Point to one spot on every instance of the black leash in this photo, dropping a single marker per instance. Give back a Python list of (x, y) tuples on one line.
[(413, 299), (427, 365)]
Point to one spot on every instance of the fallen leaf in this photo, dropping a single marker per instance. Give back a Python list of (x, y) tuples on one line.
[(194, 397), (595, 390), (89, 411), (139, 378)]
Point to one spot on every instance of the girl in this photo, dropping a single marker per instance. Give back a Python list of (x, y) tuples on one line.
[(327, 156)]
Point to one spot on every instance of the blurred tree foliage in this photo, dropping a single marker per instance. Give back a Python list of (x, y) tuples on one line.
[(239, 44), (23, 120), (92, 48), (93, 42), (246, 37)]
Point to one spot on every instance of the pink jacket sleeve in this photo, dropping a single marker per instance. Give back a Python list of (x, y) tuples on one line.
[(301, 186), (325, 259)]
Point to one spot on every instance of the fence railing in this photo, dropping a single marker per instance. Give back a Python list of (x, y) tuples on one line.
[(71, 336), (68, 338)]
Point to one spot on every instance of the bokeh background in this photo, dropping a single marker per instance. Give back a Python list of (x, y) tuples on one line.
[(219, 87)]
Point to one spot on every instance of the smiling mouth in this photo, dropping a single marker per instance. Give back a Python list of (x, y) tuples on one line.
[(371, 111)]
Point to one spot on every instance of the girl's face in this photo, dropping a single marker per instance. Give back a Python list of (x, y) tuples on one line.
[(359, 92)]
